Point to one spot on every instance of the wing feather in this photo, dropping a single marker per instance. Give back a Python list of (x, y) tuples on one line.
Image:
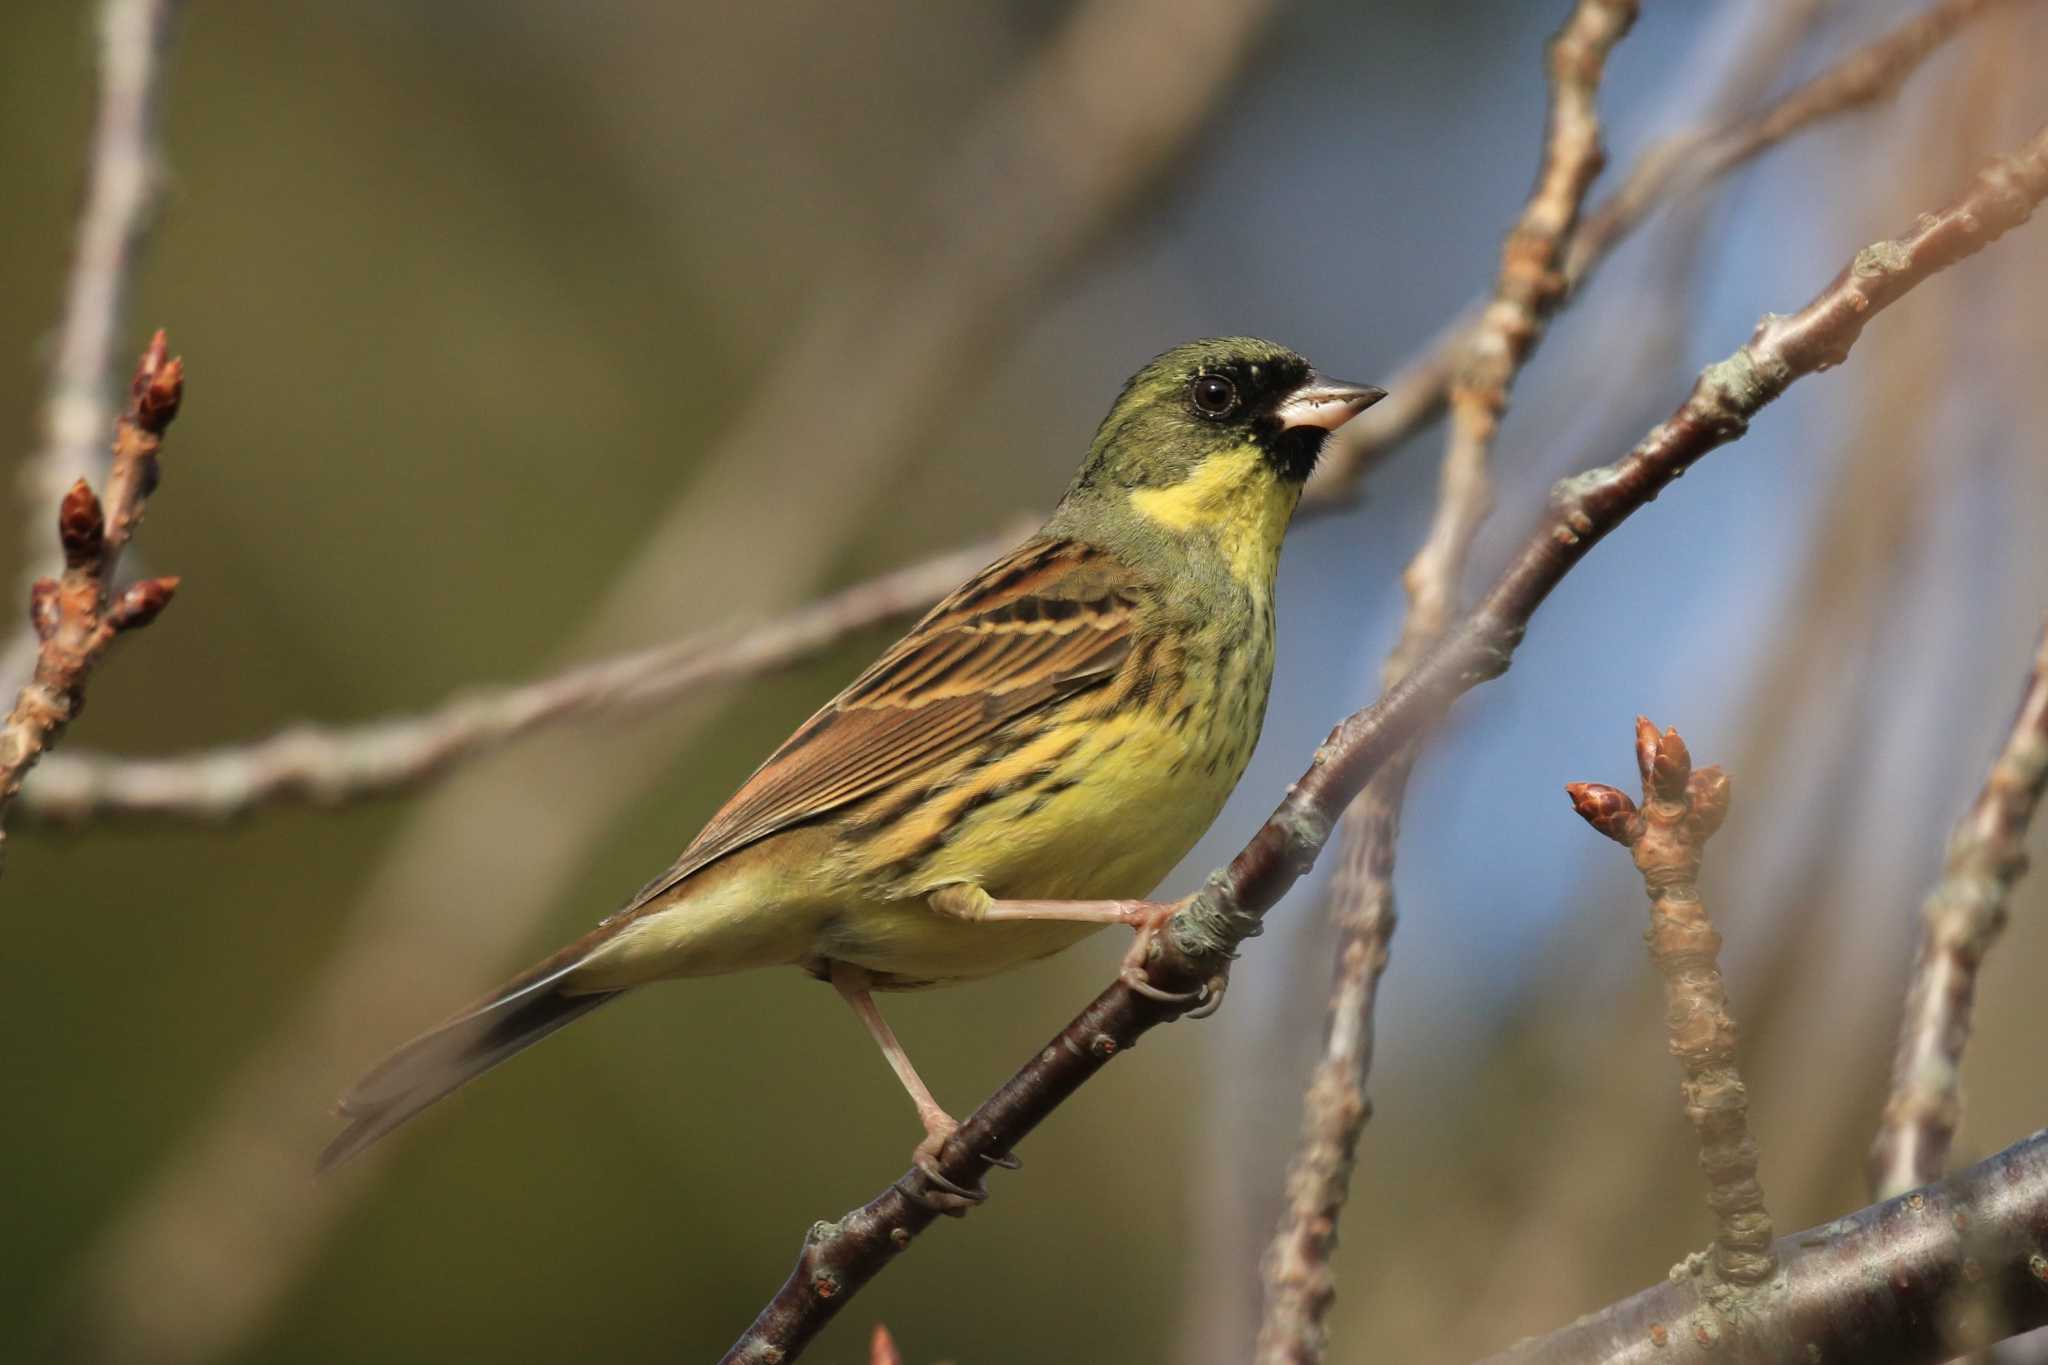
[(1047, 620)]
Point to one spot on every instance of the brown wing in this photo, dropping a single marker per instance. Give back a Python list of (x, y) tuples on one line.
[(1045, 621)]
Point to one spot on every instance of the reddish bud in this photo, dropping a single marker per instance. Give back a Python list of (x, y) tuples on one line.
[(157, 395), (81, 528), (882, 1348), (1607, 809), (142, 603), (42, 607), (1646, 749), (1670, 769), (1708, 794)]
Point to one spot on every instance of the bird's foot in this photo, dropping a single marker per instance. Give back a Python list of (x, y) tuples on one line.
[(937, 1191), (1146, 924)]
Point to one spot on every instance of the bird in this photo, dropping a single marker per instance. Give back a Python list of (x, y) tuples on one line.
[(1034, 755)]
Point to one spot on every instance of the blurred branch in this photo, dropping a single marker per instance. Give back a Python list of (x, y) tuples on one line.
[(74, 616), (882, 1347), (325, 766), (1681, 810), (1299, 1284), (1089, 121), (1196, 947), (1964, 915), (336, 764), (1880, 1287), (1686, 161), (1675, 167), (120, 190)]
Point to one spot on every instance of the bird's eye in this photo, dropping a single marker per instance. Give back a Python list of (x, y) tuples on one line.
[(1212, 395)]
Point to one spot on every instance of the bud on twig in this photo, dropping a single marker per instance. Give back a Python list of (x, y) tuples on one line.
[(142, 603), (81, 527), (1607, 809), (1707, 793)]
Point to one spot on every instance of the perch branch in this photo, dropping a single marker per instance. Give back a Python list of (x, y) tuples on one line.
[(1197, 944), (74, 616), (349, 763), (1299, 1283), (1891, 1285), (1964, 915), (1681, 810), (120, 191)]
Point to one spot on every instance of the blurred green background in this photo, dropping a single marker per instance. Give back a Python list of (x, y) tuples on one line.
[(477, 298)]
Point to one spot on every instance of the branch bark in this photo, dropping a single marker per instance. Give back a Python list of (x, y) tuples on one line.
[(329, 765), (1299, 1283), (1964, 915), (75, 616), (840, 1257), (1908, 1282)]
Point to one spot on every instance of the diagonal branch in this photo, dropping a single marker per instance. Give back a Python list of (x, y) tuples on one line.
[(331, 765), (839, 1257), (1894, 1284), (1964, 915), (1299, 1283)]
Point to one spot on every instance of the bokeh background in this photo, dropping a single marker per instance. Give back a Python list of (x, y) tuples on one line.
[(521, 332)]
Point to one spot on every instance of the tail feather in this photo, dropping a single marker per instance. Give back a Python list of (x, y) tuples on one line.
[(526, 1010)]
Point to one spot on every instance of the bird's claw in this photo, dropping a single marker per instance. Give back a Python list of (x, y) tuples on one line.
[(1007, 1160), (1205, 1001), (939, 1193)]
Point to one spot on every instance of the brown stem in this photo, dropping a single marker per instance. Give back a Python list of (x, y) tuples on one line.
[(1885, 1286), (1963, 914), (1681, 810), (73, 616), (1299, 1283), (839, 1257)]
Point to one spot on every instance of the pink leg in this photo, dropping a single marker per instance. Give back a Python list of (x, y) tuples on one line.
[(1147, 918), (946, 1196)]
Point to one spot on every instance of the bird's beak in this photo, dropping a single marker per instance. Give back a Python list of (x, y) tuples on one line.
[(1326, 403)]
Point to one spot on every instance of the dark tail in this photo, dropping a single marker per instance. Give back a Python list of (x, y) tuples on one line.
[(525, 1010)]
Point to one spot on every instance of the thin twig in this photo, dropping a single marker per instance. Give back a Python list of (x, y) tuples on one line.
[(1674, 167), (1883, 1286), (324, 766), (120, 191), (1299, 1282), (1199, 942), (1681, 810), (322, 763), (75, 616), (1964, 915)]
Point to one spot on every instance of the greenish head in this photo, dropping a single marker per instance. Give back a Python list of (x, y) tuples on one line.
[(1226, 397), (1202, 458)]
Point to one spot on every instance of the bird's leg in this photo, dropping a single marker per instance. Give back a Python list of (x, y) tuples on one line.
[(963, 900), (947, 1196)]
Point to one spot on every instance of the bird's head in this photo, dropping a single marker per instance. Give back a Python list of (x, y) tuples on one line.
[(1215, 439)]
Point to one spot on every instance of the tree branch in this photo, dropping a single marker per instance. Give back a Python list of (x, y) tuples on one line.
[(330, 765), (1907, 1282), (1681, 810), (74, 616), (327, 765), (1299, 1283), (120, 191), (1963, 914), (839, 1257)]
